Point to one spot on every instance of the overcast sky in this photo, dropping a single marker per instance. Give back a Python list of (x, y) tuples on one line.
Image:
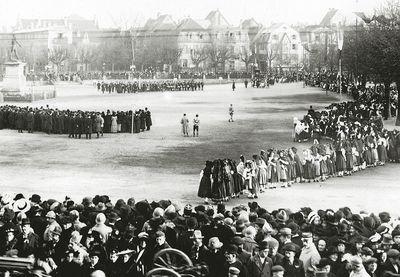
[(121, 12)]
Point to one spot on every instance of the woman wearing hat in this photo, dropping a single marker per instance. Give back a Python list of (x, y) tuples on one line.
[(10, 242), (142, 257), (293, 266)]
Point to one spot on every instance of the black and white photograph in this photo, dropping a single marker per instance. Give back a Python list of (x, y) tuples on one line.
[(208, 138)]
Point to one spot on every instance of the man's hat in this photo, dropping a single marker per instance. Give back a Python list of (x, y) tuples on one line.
[(282, 216), (25, 221), (306, 235), (231, 249), (35, 198), (367, 251), (277, 268), (197, 235), (393, 253), (21, 205), (51, 214), (285, 231), (332, 250), (289, 247), (323, 262), (214, 243), (237, 240), (396, 232), (263, 245), (387, 239), (234, 270), (371, 260)]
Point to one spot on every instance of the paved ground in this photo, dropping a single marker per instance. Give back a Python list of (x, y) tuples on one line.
[(163, 164)]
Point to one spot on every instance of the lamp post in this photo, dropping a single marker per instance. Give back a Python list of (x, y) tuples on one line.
[(340, 47)]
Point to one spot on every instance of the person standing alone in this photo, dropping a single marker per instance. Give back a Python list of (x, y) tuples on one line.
[(196, 124), (185, 125), (231, 113)]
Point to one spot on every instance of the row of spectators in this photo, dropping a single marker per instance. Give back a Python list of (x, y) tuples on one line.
[(146, 86), (364, 92), (222, 179), (97, 237), (73, 123)]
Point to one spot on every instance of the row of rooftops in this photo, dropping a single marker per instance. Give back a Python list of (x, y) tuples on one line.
[(165, 22)]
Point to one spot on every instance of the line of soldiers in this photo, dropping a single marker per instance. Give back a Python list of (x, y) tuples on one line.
[(73, 123), (144, 86)]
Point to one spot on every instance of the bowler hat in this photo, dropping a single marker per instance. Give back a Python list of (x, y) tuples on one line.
[(231, 249), (263, 245), (25, 221), (237, 240)]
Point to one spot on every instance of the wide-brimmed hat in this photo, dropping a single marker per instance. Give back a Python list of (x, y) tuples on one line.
[(21, 205), (35, 198), (231, 249), (214, 243)]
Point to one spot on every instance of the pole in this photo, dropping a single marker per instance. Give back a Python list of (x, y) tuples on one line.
[(132, 122), (340, 74)]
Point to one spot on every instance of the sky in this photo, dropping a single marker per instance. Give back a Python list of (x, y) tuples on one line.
[(120, 13)]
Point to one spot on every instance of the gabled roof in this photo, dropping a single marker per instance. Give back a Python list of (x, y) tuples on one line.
[(162, 23), (217, 20), (250, 23), (189, 24), (326, 21)]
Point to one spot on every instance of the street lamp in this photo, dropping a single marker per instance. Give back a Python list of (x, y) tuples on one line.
[(340, 47)]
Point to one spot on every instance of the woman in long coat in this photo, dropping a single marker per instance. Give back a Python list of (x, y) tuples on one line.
[(205, 182), (218, 186)]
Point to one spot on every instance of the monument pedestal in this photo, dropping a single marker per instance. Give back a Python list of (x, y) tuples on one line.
[(14, 78)]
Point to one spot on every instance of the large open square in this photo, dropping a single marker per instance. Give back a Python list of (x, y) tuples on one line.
[(162, 164)]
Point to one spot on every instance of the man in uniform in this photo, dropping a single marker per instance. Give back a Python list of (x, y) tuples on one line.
[(196, 124), (231, 113)]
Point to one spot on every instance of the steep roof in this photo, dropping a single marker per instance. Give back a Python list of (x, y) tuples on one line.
[(161, 23), (326, 20), (249, 24), (189, 24), (217, 20)]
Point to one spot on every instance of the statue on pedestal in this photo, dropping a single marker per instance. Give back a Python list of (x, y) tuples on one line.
[(13, 53)]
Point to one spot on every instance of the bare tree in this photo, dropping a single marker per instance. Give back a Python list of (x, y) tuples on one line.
[(198, 56), (246, 57), (58, 56), (218, 55)]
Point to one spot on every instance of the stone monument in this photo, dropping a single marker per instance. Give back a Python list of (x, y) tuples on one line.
[(14, 86), (14, 81)]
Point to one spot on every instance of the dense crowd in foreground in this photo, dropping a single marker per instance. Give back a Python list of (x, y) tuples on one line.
[(148, 86), (73, 123), (97, 236)]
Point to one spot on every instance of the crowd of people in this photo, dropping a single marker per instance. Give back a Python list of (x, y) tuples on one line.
[(74, 123), (97, 237), (356, 140), (146, 86)]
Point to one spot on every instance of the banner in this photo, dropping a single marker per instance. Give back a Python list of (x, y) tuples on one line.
[(340, 37)]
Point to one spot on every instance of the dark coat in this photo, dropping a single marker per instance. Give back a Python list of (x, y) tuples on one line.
[(258, 269), (293, 270)]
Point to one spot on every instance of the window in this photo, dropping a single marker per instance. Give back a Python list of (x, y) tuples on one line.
[(60, 35), (184, 63), (317, 38), (201, 36), (275, 37), (294, 46), (190, 36), (294, 37)]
